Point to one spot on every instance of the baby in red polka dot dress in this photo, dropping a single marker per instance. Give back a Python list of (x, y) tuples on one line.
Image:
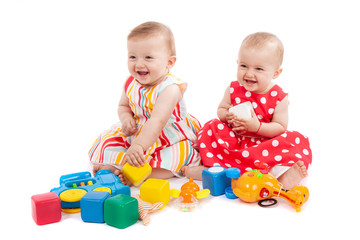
[(261, 140)]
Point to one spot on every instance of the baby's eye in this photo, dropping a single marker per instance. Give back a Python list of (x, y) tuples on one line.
[(259, 69), (131, 57), (242, 65), (148, 57)]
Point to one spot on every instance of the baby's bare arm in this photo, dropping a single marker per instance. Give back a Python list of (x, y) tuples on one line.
[(279, 123), (225, 104), (163, 108), (126, 116), (124, 110)]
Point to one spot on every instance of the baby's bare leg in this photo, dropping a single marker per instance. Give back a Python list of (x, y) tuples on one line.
[(193, 172), (293, 176), (161, 173)]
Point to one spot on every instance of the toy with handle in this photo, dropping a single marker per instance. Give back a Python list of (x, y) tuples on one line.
[(257, 185)]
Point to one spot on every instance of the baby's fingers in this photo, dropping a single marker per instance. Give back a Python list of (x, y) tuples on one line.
[(129, 160), (141, 160), (240, 130), (134, 159), (229, 116)]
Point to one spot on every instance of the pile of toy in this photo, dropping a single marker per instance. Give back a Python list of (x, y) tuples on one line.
[(104, 199)]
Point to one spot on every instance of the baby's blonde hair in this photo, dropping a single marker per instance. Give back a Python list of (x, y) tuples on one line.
[(149, 29), (261, 39)]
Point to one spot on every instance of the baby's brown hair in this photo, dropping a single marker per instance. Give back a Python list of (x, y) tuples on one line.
[(260, 39), (149, 29)]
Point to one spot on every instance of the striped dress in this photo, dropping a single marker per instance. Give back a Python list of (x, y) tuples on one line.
[(177, 144)]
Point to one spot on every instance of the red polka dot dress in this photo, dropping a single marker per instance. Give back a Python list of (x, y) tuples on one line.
[(219, 145)]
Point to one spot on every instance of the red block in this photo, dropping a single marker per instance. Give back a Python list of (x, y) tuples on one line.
[(46, 208)]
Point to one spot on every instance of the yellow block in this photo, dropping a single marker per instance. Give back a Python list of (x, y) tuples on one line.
[(136, 175), (155, 190)]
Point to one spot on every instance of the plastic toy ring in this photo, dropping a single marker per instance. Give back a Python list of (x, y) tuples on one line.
[(72, 195), (270, 202), (71, 210), (103, 189)]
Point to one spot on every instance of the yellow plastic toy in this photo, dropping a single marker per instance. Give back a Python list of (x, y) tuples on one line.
[(155, 190), (258, 185), (136, 175), (188, 195), (72, 195)]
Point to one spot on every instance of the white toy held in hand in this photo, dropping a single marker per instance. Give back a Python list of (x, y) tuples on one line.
[(242, 110)]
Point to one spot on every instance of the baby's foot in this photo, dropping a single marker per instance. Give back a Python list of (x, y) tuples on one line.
[(99, 167), (124, 180), (114, 170), (193, 172), (96, 168), (293, 176)]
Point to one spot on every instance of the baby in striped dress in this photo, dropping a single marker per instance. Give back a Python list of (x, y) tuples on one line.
[(154, 124)]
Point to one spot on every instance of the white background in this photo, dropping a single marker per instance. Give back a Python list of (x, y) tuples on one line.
[(62, 67)]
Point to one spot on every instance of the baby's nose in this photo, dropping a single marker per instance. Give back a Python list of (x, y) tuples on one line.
[(140, 63), (249, 73)]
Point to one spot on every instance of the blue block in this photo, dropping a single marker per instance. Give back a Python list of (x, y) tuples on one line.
[(215, 180), (92, 206)]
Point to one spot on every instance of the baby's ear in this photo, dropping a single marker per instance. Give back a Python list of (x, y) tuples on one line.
[(277, 73), (171, 62)]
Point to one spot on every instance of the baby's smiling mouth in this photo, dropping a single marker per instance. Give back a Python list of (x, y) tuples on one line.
[(250, 81), (142, 73)]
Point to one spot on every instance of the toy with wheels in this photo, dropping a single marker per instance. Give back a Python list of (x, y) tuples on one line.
[(189, 195), (74, 186), (258, 185)]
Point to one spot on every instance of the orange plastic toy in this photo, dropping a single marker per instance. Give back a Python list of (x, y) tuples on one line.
[(257, 185), (188, 195)]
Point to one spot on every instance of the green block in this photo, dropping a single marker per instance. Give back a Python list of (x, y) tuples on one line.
[(121, 211)]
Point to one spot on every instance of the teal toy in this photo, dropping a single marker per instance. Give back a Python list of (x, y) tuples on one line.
[(74, 186)]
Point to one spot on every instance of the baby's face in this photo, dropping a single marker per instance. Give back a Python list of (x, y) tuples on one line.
[(149, 59), (257, 67)]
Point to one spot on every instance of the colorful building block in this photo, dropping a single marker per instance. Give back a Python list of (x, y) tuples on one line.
[(121, 211), (155, 190), (215, 180), (46, 208), (136, 175), (92, 206)]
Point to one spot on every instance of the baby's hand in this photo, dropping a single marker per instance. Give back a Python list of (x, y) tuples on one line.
[(242, 126), (230, 117), (128, 127), (135, 155)]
